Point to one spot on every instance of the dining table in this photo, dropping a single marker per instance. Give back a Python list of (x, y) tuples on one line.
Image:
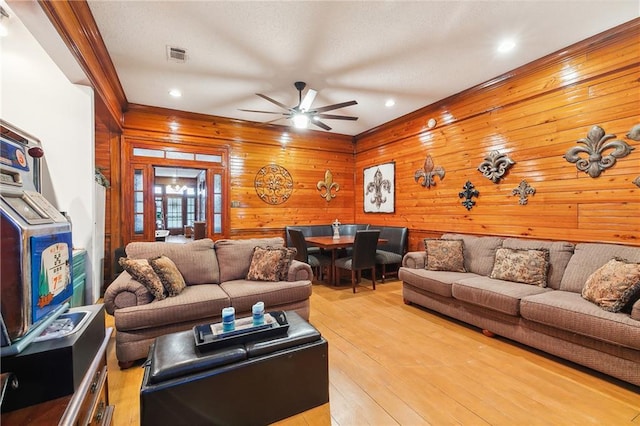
[(328, 242)]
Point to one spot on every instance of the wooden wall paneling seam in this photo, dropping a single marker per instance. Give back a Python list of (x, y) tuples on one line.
[(75, 24)]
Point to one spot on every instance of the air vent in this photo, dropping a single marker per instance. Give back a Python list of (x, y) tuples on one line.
[(176, 54)]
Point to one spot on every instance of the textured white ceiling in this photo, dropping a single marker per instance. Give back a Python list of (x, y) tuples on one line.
[(414, 52)]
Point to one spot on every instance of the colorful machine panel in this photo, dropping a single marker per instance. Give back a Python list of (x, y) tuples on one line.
[(12, 154), (51, 268)]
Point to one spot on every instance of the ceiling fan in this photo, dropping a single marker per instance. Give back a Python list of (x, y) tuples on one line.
[(302, 114)]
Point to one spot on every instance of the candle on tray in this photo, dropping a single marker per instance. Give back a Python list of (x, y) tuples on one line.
[(228, 319), (258, 313)]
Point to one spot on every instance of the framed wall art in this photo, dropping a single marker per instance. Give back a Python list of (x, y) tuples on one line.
[(379, 188)]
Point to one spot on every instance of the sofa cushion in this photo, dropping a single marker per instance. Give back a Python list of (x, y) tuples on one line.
[(479, 252), (195, 260), (614, 286), (444, 255), (569, 311), (193, 303), (438, 282), (244, 293), (270, 263), (234, 256), (499, 295), (169, 275), (141, 271), (522, 266), (588, 257), (559, 254)]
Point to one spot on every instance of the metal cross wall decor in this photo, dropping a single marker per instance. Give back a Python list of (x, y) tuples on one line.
[(523, 190), (468, 191)]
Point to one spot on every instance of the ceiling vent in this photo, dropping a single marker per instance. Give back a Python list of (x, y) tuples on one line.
[(176, 54)]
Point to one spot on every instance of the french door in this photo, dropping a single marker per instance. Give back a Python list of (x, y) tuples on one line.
[(140, 201)]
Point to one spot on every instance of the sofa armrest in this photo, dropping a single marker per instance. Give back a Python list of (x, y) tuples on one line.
[(124, 292), (414, 260), (299, 271), (635, 310)]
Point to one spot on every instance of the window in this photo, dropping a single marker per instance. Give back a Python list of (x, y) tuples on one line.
[(138, 201)]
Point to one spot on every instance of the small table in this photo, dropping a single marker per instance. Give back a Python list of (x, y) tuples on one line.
[(329, 243)]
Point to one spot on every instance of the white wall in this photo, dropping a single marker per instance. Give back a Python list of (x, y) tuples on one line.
[(38, 98)]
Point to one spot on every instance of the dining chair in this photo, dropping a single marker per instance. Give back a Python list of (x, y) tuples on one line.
[(391, 252), (363, 257), (317, 261)]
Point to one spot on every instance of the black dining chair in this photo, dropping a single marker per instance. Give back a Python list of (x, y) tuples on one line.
[(390, 254), (363, 257), (317, 261)]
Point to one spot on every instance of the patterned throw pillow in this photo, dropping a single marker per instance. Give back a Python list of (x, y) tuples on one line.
[(270, 263), (142, 272), (521, 266), (169, 275), (614, 286), (444, 255)]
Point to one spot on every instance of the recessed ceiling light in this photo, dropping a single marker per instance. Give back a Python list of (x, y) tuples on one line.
[(389, 103), (175, 93), (506, 45)]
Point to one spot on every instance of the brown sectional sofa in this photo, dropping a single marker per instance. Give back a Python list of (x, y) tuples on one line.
[(555, 319), (215, 276)]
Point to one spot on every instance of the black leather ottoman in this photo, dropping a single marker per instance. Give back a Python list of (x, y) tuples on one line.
[(253, 383)]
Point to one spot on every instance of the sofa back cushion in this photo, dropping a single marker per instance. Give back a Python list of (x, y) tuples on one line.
[(196, 260), (479, 252), (234, 256), (559, 254), (589, 257)]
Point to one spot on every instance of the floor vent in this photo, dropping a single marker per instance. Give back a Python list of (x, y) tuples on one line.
[(176, 54)]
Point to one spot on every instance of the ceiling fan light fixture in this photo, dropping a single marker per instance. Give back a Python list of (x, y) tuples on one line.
[(300, 121)]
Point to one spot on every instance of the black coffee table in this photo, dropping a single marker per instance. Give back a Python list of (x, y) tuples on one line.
[(253, 383)]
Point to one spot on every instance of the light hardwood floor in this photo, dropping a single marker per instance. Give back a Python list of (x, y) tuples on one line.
[(390, 364)]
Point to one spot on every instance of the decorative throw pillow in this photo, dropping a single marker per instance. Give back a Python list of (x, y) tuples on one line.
[(613, 286), (270, 263), (522, 266), (142, 272), (444, 255), (169, 275)]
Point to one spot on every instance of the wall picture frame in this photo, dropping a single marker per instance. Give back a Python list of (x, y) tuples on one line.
[(380, 188)]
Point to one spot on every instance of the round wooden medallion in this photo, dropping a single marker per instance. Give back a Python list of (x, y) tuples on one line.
[(273, 184)]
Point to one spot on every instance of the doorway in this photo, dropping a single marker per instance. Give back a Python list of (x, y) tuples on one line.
[(177, 193)]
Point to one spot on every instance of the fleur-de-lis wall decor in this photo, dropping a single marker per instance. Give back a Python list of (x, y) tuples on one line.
[(634, 133), (495, 165), (376, 187), (523, 190), (328, 184), (596, 144), (468, 191), (429, 172)]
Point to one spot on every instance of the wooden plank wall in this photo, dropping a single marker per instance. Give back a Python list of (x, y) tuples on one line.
[(534, 115), (306, 156)]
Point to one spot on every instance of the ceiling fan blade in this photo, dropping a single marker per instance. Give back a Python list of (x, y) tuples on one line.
[(273, 101), (263, 112), (319, 124), (335, 106), (308, 100), (337, 117)]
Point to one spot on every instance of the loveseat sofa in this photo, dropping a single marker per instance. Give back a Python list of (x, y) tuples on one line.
[(215, 275), (553, 317)]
